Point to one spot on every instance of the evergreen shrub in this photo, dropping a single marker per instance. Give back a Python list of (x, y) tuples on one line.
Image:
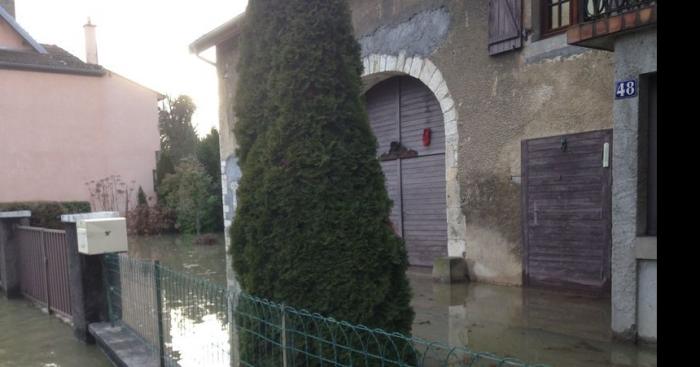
[(312, 226)]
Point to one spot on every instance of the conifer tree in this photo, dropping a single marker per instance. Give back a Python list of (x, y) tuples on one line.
[(312, 224), (252, 108)]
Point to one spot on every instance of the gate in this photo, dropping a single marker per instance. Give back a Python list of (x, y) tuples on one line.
[(43, 268), (407, 121), (566, 185)]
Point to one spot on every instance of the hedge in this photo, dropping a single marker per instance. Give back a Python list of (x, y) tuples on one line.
[(47, 214)]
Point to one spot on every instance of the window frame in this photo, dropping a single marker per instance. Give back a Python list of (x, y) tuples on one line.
[(545, 7)]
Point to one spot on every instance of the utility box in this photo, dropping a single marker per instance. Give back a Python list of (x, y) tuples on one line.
[(100, 236)]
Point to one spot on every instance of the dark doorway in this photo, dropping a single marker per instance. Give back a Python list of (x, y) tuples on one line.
[(407, 121), (566, 193)]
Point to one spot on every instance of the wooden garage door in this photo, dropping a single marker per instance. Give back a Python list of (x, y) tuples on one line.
[(567, 209), (400, 110)]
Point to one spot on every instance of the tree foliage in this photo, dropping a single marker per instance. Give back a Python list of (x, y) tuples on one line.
[(180, 144), (177, 135), (312, 225), (208, 155), (188, 194), (253, 111), (164, 167), (141, 197)]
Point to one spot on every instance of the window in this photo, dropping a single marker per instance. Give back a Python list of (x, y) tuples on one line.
[(558, 15)]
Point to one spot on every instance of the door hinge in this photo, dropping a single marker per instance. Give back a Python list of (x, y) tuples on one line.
[(606, 155)]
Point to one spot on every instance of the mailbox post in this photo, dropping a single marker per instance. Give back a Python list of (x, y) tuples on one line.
[(90, 235)]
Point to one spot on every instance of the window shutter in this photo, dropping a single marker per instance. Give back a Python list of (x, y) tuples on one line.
[(505, 25)]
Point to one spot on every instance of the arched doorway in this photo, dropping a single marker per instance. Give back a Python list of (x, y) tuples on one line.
[(408, 122)]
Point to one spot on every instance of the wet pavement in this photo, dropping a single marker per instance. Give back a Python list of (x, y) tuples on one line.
[(536, 326), (31, 338)]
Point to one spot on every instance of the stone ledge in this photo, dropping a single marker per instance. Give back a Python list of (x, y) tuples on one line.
[(122, 346), (74, 218), (449, 269), (645, 248), (16, 214)]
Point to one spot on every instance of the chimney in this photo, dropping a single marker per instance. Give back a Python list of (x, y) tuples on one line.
[(90, 43), (9, 6)]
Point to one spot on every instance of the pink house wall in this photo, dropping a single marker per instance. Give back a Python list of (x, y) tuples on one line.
[(58, 131), (10, 40)]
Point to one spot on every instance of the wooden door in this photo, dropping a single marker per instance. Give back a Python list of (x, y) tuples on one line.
[(567, 221), (400, 111)]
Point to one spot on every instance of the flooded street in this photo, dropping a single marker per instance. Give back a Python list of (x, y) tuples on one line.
[(31, 338), (535, 326)]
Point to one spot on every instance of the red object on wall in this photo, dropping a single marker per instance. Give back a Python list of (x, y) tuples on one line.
[(426, 137)]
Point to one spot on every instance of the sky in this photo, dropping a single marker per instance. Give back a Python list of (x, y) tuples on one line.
[(144, 40)]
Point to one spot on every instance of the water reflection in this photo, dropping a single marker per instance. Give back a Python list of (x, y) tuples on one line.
[(196, 327), (201, 343), (532, 325)]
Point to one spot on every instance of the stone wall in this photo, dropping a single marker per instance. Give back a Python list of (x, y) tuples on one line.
[(490, 104)]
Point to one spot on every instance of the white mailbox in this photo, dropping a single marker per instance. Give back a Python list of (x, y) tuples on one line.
[(103, 235)]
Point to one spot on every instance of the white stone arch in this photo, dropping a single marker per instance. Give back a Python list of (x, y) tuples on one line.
[(378, 67)]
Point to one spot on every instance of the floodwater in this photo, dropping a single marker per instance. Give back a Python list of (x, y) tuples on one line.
[(31, 338), (535, 326), (180, 254), (532, 325), (196, 333)]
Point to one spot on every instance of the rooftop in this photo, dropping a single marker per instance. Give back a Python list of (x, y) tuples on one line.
[(55, 60)]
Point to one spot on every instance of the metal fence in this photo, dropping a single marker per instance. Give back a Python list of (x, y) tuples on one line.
[(43, 268), (200, 323), (595, 9)]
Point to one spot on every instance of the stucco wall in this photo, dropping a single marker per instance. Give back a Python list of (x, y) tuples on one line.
[(60, 131), (227, 59), (547, 88), (635, 54)]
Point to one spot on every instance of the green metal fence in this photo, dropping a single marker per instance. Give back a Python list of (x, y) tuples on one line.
[(189, 321)]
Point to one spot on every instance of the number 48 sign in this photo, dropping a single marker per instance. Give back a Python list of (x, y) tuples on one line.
[(625, 89)]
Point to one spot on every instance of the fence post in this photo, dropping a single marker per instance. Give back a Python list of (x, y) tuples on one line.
[(45, 259), (283, 340), (234, 355), (159, 311), (87, 294), (9, 251)]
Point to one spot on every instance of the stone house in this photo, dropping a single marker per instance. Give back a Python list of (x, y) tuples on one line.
[(503, 140), (64, 121)]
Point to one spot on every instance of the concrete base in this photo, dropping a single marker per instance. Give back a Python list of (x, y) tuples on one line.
[(647, 301), (122, 346), (450, 270)]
